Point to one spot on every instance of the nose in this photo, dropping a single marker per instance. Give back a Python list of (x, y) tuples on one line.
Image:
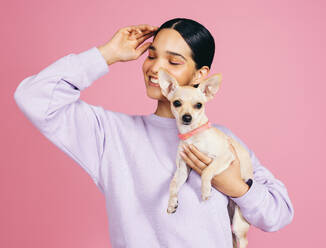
[(186, 118), (155, 66)]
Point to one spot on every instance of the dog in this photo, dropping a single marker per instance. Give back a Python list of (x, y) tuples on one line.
[(187, 105)]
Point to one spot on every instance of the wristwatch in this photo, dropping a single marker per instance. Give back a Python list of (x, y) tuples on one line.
[(249, 182)]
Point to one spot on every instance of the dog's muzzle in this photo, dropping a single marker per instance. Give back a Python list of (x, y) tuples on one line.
[(186, 119)]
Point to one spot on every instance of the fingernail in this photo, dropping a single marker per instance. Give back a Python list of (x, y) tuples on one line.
[(182, 154)]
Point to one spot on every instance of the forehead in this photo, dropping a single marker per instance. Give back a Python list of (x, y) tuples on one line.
[(168, 39), (188, 94)]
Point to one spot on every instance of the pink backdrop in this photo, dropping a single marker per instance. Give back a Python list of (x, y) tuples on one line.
[(270, 54)]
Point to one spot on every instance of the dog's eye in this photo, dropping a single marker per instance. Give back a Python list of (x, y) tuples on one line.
[(196, 85), (176, 103), (198, 105)]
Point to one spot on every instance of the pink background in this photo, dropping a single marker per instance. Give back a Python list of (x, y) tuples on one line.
[(270, 54)]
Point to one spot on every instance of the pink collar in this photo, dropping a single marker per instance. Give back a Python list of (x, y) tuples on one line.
[(196, 130)]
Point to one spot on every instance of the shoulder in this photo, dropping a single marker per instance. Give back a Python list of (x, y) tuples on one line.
[(116, 120), (230, 133), (119, 116)]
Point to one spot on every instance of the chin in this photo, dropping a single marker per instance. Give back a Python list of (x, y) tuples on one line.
[(154, 93)]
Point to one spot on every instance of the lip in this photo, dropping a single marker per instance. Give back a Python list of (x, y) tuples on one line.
[(152, 84)]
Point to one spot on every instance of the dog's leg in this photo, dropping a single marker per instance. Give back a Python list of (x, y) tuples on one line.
[(231, 208), (178, 180), (217, 166), (240, 227)]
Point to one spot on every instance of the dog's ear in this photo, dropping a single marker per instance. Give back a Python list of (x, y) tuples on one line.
[(210, 86), (167, 83)]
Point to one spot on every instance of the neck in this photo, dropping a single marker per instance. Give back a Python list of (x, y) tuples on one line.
[(163, 109)]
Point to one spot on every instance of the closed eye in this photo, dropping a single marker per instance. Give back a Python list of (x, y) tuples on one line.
[(170, 61), (174, 63)]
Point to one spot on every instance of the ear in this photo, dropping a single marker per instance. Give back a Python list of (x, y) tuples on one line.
[(167, 83), (210, 86)]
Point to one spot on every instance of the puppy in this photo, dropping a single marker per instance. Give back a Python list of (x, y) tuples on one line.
[(187, 105)]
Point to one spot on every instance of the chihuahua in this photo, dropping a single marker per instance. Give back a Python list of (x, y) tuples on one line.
[(187, 105)]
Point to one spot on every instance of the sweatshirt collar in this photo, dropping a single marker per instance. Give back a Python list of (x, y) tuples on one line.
[(161, 121)]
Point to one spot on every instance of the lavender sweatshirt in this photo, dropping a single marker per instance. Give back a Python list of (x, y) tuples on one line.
[(131, 159)]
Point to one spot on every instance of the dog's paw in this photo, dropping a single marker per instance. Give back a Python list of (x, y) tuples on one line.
[(172, 208), (205, 197)]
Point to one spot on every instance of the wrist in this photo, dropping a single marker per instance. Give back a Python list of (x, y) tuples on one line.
[(243, 189), (107, 53)]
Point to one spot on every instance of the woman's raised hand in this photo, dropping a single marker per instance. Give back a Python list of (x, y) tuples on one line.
[(124, 45)]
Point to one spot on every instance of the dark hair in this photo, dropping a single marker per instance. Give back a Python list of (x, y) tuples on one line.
[(198, 38)]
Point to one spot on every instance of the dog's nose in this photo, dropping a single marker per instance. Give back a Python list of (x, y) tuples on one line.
[(186, 118)]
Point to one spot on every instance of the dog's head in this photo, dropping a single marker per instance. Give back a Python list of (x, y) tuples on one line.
[(188, 102)]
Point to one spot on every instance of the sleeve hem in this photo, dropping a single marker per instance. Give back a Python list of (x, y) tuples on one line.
[(93, 64), (252, 198)]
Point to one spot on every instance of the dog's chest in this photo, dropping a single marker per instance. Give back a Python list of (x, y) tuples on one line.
[(208, 142)]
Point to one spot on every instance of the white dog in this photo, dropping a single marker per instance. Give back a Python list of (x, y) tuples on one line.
[(187, 105)]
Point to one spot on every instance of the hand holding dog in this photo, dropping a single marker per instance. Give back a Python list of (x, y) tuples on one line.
[(228, 182)]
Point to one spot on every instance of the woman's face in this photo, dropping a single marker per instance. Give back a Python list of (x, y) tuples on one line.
[(169, 51)]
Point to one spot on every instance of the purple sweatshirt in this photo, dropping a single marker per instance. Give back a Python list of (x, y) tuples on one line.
[(131, 159)]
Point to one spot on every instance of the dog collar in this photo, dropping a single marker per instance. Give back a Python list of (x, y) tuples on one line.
[(194, 131)]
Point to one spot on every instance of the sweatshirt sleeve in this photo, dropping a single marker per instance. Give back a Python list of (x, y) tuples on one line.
[(51, 100), (266, 204)]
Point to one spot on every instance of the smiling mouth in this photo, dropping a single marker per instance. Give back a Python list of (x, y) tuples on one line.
[(153, 82)]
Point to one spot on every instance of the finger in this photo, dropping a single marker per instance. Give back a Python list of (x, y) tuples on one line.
[(234, 151), (190, 163), (143, 48), (194, 159), (231, 147), (141, 36), (202, 157), (141, 39), (144, 27), (141, 27), (236, 161)]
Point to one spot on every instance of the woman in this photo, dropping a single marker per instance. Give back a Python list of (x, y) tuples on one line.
[(131, 158)]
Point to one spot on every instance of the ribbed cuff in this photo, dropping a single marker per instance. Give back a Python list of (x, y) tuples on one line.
[(93, 65), (252, 198)]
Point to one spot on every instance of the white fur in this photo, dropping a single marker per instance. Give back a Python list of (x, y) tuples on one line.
[(212, 142)]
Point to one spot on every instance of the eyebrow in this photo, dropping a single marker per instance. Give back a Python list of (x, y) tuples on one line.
[(170, 52)]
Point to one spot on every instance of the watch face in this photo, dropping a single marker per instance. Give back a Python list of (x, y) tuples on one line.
[(249, 182)]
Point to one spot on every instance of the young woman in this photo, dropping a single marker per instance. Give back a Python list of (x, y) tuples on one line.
[(131, 158)]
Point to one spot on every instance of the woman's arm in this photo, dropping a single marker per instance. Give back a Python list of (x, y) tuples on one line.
[(266, 204), (50, 100)]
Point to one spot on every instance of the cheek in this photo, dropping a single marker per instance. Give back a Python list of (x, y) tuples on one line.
[(197, 113), (146, 66), (183, 76)]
